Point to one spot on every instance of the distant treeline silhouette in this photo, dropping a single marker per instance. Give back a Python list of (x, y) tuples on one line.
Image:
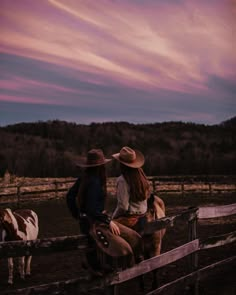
[(51, 149)]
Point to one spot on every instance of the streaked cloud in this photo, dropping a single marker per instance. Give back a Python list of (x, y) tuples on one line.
[(168, 57)]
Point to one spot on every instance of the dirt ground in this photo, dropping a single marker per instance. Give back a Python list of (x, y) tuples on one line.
[(55, 220)]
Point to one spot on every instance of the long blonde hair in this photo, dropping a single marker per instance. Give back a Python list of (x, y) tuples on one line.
[(137, 181)]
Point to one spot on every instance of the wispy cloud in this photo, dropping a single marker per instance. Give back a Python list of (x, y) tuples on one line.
[(86, 52)]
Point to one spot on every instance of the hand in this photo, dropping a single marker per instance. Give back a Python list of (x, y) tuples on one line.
[(114, 228)]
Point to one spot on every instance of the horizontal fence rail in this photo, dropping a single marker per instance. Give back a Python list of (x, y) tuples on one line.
[(43, 246), (72, 286), (79, 242), (31, 190), (156, 262), (219, 240), (215, 212)]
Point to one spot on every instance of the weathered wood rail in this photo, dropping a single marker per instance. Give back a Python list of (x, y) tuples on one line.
[(112, 280), (25, 191)]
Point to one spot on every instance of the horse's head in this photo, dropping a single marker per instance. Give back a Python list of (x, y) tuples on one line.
[(5, 215), (6, 222), (3, 230)]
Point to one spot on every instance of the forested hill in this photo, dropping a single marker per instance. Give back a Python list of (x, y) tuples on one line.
[(51, 149)]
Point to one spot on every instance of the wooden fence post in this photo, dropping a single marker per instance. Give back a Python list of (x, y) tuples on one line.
[(18, 194), (56, 189), (193, 259), (182, 189), (192, 225), (210, 189)]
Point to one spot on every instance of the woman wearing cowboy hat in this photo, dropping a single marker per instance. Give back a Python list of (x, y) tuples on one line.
[(114, 241), (132, 188)]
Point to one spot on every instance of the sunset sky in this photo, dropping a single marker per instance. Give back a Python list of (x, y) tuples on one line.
[(139, 61)]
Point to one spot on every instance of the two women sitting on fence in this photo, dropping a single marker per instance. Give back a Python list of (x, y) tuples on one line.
[(118, 243)]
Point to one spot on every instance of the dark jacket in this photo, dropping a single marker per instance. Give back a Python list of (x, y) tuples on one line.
[(94, 203)]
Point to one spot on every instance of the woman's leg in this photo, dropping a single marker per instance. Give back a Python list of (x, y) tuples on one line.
[(113, 249), (134, 240), (90, 260)]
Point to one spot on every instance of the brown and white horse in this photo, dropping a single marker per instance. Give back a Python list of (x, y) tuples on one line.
[(21, 224)]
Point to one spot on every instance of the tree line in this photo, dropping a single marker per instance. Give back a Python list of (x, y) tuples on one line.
[(52, 148)]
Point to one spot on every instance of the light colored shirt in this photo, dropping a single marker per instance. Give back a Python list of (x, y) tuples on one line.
[(124, 204)]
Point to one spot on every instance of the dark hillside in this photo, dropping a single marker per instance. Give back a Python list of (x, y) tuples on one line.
[(51, 148), (230, 123)]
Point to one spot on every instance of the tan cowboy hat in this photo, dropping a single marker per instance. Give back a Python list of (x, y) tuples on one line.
[(95, 157), (130, 157)]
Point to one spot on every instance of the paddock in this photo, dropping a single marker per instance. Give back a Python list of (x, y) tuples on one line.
[(54, 265)]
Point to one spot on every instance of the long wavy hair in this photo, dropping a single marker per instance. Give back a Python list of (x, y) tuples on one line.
[(98, 171), (137, 181)]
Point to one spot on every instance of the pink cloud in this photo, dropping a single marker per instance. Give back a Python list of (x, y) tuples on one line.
[(151, 46), (17, 83), (21, 99)]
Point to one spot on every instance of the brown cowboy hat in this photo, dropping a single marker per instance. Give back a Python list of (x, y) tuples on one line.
[(129, 157), (95, 157)]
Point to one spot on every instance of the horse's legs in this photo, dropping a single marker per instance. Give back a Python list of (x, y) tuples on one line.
[(141, 278), (10, 270), (155, 283), (21, 267), (28, 263)]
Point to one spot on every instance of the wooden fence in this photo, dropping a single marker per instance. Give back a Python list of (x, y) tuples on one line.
[(168, 185), (111, 282)]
